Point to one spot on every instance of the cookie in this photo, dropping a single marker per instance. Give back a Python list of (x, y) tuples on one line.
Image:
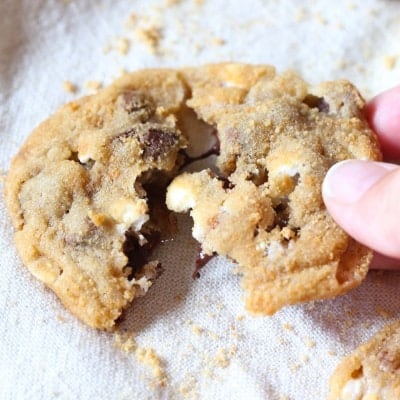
[(372, 371), (262, 206), (86, 192)]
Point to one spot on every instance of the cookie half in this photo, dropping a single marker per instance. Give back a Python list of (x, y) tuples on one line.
[(372, 371), (86, 193), (262, 206)]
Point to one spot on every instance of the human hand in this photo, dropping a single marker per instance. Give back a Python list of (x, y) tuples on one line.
[(364, 196)]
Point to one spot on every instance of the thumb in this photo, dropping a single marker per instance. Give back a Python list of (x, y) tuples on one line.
[(364, 199)]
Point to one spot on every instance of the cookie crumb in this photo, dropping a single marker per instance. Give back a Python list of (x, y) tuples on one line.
[(332, 353), (188, 388), (69, 87), (287, 326), (61, 318), (197, 329), (295, 367), (147, 356), (125, 341), (150, 36), (131, 21), (217, 41), (123, 45), (93, 85), (309, 342), (390, 61), (170, 3)]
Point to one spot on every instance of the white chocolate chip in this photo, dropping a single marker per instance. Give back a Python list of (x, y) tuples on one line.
[(130, 213), (179, 197), (353, 390)]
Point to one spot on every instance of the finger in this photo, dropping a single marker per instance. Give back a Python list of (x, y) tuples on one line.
[(364, 199), (383, 114), (380, 261)]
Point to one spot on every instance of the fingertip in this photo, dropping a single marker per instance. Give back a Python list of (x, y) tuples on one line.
[(383, 114)]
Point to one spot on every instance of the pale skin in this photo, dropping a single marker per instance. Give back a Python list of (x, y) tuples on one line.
[(364, 196)]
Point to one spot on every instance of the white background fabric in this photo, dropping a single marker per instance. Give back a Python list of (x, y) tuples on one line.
[(45, 352)]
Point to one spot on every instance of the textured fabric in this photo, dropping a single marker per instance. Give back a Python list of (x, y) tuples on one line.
[(208, 346)]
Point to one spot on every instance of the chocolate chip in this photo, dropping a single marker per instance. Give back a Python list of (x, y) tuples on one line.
[(137, 254), (227, 184), (133, 101), (157, 142), (317, 102), (125, 135)]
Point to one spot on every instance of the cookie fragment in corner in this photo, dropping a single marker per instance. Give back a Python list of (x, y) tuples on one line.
[(372, 371)]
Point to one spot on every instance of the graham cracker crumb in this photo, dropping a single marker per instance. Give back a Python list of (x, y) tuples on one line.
[(147, 356), (295, 367), (69, 87), (197, 329), (199, 2), (390, 61), (131, 21), (299, 14), (123, 46), (287, 326), (150, 36), (309, 342), (217, 41), (213, 335), (304, 358), (332, 353), (125, 341), (188, 388), (93, 85), (283, 397), (240, 317), (61, 318), (170, 3)]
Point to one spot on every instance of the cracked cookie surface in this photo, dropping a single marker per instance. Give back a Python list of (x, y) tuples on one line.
[(372, 371), (86, 190)]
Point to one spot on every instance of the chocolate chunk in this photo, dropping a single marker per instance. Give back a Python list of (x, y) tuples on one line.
[(317, 102), (157, 142), (133, 101), (227, 184), (138, 254), (125, 135)]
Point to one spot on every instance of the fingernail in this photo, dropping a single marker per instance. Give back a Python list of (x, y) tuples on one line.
[(347, 181)]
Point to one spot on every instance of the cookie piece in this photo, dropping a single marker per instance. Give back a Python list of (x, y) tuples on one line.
[(263, 207), (85, 193), (372, 371)]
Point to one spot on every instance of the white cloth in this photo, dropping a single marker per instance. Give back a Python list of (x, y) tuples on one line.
[(193, 326)]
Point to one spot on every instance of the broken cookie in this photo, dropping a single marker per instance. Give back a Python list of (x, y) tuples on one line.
[(86, 192)]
